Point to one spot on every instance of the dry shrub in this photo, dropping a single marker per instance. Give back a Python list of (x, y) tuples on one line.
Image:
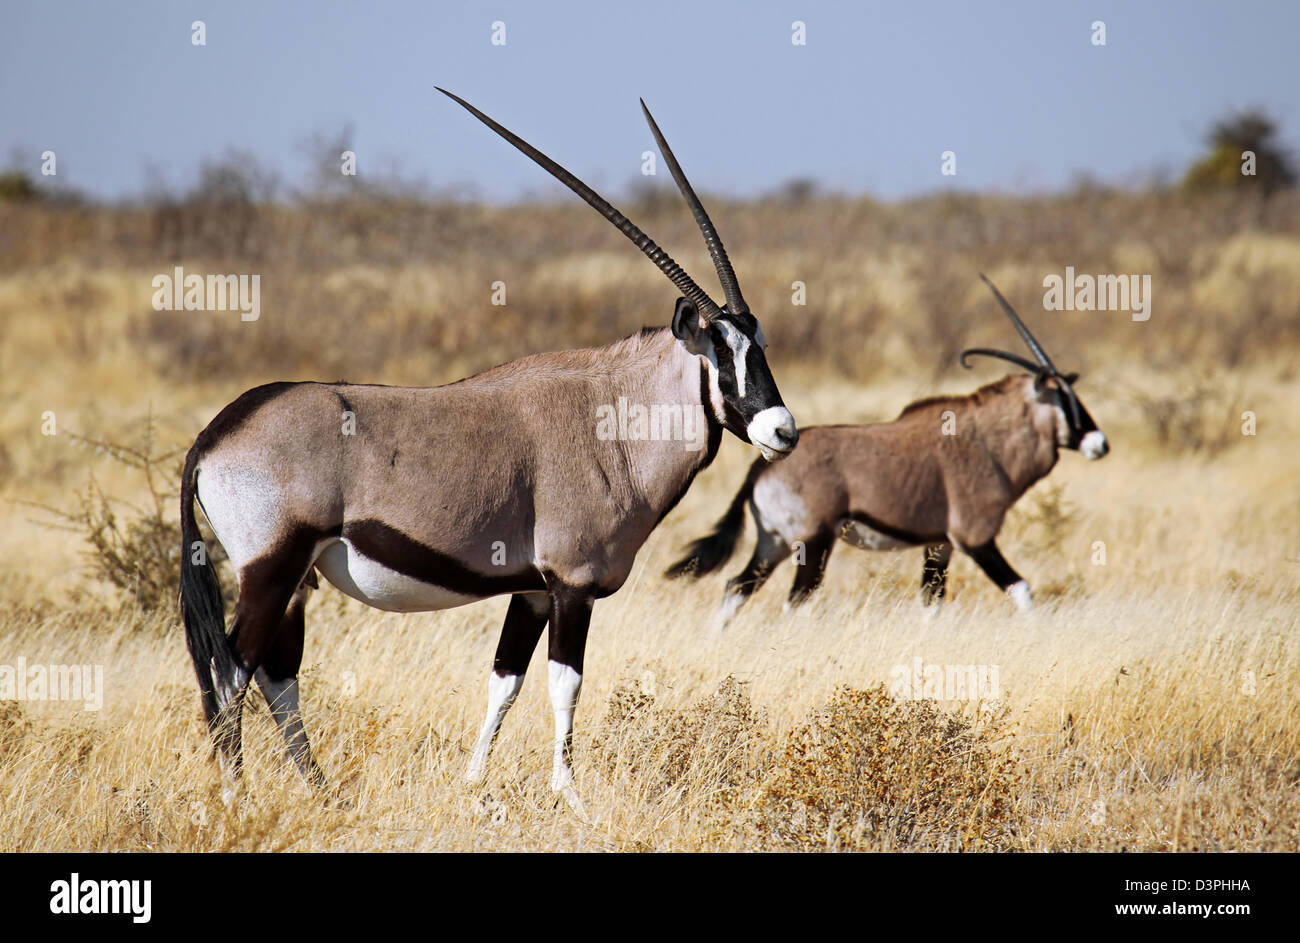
[(133, 548), (1046, 521), (705, 750), (868, 772), (1202, 417), (137, 555)]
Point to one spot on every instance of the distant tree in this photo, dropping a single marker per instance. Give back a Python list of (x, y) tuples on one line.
[(652, 195), (218, 217), (236, 179), (797, 191), (17, 187), (1229, 142), (325, 179)]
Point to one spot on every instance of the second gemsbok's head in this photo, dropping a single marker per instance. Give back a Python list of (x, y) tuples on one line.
[(742, 394), (1052, 390)]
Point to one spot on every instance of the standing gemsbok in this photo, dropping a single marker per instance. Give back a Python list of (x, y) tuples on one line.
[(943, 474), (500, 483)]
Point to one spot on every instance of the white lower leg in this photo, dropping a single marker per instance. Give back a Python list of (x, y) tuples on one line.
[(502, 690), (1020, 595), (727, 611), (566, 684), (282, 696)]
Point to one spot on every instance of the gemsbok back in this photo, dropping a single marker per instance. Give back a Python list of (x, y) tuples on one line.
[(941, 475), (513, 481)]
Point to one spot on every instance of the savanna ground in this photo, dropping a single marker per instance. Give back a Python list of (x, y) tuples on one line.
[(1147, 704)]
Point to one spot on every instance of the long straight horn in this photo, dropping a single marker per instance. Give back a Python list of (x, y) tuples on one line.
[(727, 275), (1033, 344), (676, 274)]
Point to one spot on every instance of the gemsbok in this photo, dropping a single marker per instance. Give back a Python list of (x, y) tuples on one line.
[(417, 499), (941, 475)]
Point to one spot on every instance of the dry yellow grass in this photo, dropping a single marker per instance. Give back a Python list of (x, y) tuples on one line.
[(1148, 704)]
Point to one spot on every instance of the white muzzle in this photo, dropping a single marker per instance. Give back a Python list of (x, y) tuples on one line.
[(773, 433), (1094, 445)]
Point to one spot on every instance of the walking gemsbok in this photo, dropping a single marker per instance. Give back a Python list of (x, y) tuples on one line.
[(943, 474), (499, 483)]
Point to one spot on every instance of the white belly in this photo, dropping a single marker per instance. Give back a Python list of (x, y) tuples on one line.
[(376, 585), (865, 538)]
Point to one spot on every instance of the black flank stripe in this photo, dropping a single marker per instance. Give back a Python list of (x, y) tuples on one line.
[(398, 552), (896, 533)]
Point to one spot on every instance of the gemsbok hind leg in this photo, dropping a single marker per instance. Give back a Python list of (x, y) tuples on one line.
[(278, 680), (997, 569), (808, 574), (768, 552), (934, 573), (266, 587), (525, 619)]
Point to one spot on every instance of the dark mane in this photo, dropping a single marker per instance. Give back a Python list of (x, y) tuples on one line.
[(997, 386), (931, 401)]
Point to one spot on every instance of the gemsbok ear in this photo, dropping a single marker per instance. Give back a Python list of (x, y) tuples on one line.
[(1071, 378), (686, 327)]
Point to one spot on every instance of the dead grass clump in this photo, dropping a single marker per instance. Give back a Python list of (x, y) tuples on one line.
[(13, 726), (867, 772), (705, 749)]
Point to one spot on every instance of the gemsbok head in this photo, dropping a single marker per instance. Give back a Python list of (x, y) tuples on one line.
[(941, 475), (508, 482)]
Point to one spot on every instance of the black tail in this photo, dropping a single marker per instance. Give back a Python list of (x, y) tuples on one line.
[(202, 606), (709, 553)]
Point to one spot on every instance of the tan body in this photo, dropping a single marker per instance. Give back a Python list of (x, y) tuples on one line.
[(921, 485), (943, 474), (541, 497)]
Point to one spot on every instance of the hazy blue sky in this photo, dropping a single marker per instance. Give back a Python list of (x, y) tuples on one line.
[(1016, 89)]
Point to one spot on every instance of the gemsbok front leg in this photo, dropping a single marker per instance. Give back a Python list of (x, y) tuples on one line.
[(995, 566), (570, 619), (525, 619)]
